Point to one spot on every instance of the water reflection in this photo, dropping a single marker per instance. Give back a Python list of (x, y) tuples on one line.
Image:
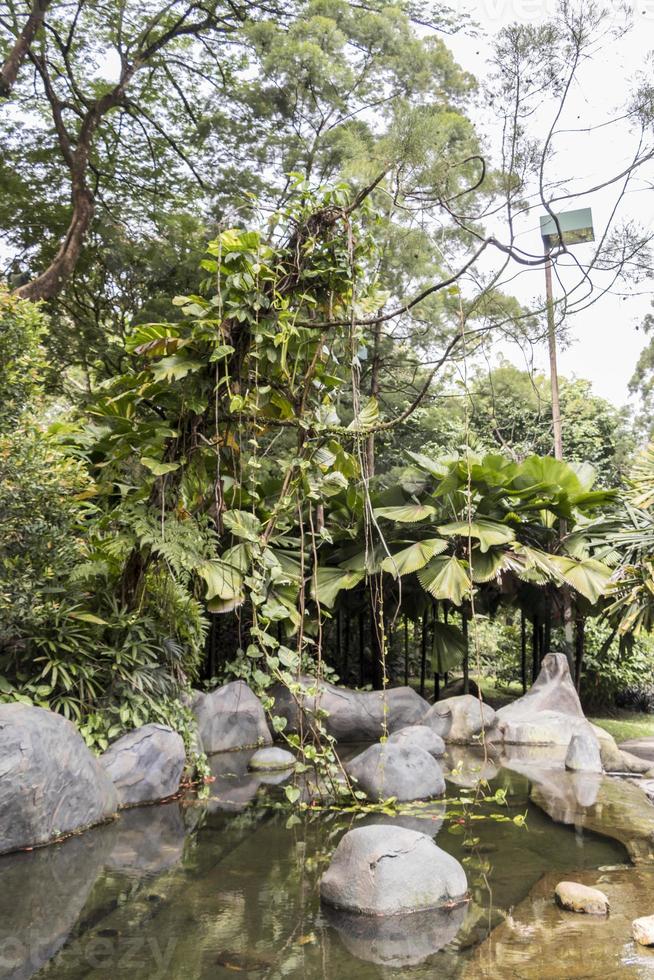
[(397, 940)]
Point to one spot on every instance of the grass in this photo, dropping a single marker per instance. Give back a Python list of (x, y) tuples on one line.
[(627, 724)]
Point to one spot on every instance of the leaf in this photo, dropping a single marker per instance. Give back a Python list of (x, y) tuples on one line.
[(407, 513), (487, 565), (487, 532), (174, 368), (88, 618), (220, 351), (242, 524), (157, 467), (368, 415), (223, 580), (437, 468), (292, 793), (329, 582), (445, 578), (414, 557), (448, 647), (589, 577), (221, 606)]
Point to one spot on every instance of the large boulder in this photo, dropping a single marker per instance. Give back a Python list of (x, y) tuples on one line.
[(231, 717), (386, 870), (406, 772), (50, 784), (420, 735), (351, 716), (146, 764), (461, 719)]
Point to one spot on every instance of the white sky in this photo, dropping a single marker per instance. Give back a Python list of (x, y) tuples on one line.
[(604, 341)]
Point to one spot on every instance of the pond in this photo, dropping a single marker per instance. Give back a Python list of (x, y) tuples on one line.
[(229, 887)]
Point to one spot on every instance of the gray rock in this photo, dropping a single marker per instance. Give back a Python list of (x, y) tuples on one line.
[(231, 717), (146, 764), (575, 897), (272, 759), (583, 754), (50, 784), (552, 728), (420, 735), (397, 941), (469, 717), (552, 690), (382, 870), (352, 716), (403, 771)]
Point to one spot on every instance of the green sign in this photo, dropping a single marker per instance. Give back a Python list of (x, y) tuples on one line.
[(576, 227)]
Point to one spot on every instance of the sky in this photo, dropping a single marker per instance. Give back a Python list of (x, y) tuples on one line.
[(604, 342)]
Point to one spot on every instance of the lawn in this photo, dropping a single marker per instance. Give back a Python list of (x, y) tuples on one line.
[(627, 724)]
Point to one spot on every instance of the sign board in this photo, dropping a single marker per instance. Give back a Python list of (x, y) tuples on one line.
[(576, 227)]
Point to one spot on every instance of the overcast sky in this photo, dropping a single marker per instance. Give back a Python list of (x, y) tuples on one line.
[(604, 342)]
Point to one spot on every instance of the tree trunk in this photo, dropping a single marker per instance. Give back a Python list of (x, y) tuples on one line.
[(534, 648), (423, 654), (50, 282), (580, 644), (406, 652), (346, 648), (361, 651), (374, 393), (21, 46), (376, 642)]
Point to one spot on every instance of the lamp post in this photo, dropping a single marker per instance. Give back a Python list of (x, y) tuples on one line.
[(570, 228), (575, 227)]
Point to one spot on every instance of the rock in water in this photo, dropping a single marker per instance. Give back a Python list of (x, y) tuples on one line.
[(50, 784), (406, 772), (643, 930), (272, 759), (583, 754), (420, 735), (352, 716), (469, 717), (574, 897), (146, 764), (386, 870), (231, 717)]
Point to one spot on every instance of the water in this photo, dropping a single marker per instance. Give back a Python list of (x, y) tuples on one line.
[(229, 888)]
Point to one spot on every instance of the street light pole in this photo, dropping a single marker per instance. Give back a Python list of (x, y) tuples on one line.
[(554, 376)]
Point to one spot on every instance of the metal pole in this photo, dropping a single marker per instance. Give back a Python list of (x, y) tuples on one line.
[(558, 447), (554, 377)]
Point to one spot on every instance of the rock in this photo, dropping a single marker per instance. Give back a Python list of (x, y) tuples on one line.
[(406, 772), (428, 819), (396, 941), (146, 764), (272, 759), (550, 713), (381, 870), (352, 716), (641, 747), (468, 718), (583, 754), (574, 897), (643, 930), (420, 735), (231, 717), (50, 784)]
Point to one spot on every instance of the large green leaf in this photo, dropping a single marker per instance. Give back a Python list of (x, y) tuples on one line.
[(223, 581), (416, 556), (448, 647), (407, 513), (175, 367), (445, 578), (367, 416), (157, 467), (329, 582), (589, 577), (486, 565), (435, 467), (488, 533), (242, 524)]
